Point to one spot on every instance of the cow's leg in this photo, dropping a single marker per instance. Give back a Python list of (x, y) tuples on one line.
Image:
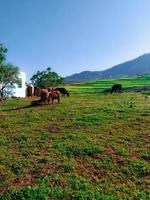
[(58, 99), (45, 101), (49, 99)]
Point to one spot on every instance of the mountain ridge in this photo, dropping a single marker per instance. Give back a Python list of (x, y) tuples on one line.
[(139, 65)]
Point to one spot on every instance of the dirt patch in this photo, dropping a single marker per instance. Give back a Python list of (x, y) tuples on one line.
[(90, 171), (146, 158), (96, 156), (53, 128), (21, 182), (43, 151), (115, 157), (13, 150), (30, 98), (24, 181)]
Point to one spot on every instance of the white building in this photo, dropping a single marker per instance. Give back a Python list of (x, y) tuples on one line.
[(15, 89)]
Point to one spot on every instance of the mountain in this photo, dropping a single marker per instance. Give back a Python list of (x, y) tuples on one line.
[(140, 65)]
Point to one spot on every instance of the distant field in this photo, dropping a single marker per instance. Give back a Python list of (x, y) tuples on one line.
[(92, 146), (97, 86)]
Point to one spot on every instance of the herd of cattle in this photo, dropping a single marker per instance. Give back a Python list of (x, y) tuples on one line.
[(36, 91), (46, 95), (50, 94)]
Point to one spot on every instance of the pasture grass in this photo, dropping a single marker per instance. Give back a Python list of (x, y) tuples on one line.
[(102, 85), (90, 146)]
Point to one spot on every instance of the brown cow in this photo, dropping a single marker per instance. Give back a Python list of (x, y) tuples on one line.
[(37, 91), (54, 94), (45, 96)]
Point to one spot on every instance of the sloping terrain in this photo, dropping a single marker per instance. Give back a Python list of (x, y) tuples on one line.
[(90, 146), (140, 65)]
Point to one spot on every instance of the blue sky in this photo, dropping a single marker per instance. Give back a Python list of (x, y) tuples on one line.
[(74, 35)]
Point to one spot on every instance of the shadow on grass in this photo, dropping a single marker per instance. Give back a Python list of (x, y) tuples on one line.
[(36, 103)]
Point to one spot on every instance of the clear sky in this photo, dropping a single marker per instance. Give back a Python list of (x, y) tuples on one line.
[(73, 35)]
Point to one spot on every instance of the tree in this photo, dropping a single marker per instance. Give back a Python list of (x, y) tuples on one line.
[(46, 79), (9, 74), (3, 51)]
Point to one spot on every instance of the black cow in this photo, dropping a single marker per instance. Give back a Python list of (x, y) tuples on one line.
[(117, 88), (63, 91)]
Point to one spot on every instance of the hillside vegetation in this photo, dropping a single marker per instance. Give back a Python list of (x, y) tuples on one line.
[(90, 146)]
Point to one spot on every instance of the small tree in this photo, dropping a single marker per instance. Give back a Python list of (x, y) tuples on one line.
[(46, 78), (9, 74), (3, 52)]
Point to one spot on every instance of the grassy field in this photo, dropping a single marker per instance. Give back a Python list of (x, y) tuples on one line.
[(99, 86), (90, 146)]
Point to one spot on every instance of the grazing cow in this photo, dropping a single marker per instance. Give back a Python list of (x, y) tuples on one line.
[(45, 96), (117, 88), (63, 91), (54, 94)]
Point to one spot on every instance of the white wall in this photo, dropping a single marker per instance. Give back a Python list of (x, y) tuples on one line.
[(14, 90), (21, 92)]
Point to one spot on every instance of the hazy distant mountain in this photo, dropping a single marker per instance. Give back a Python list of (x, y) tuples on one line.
[(136, 66)]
